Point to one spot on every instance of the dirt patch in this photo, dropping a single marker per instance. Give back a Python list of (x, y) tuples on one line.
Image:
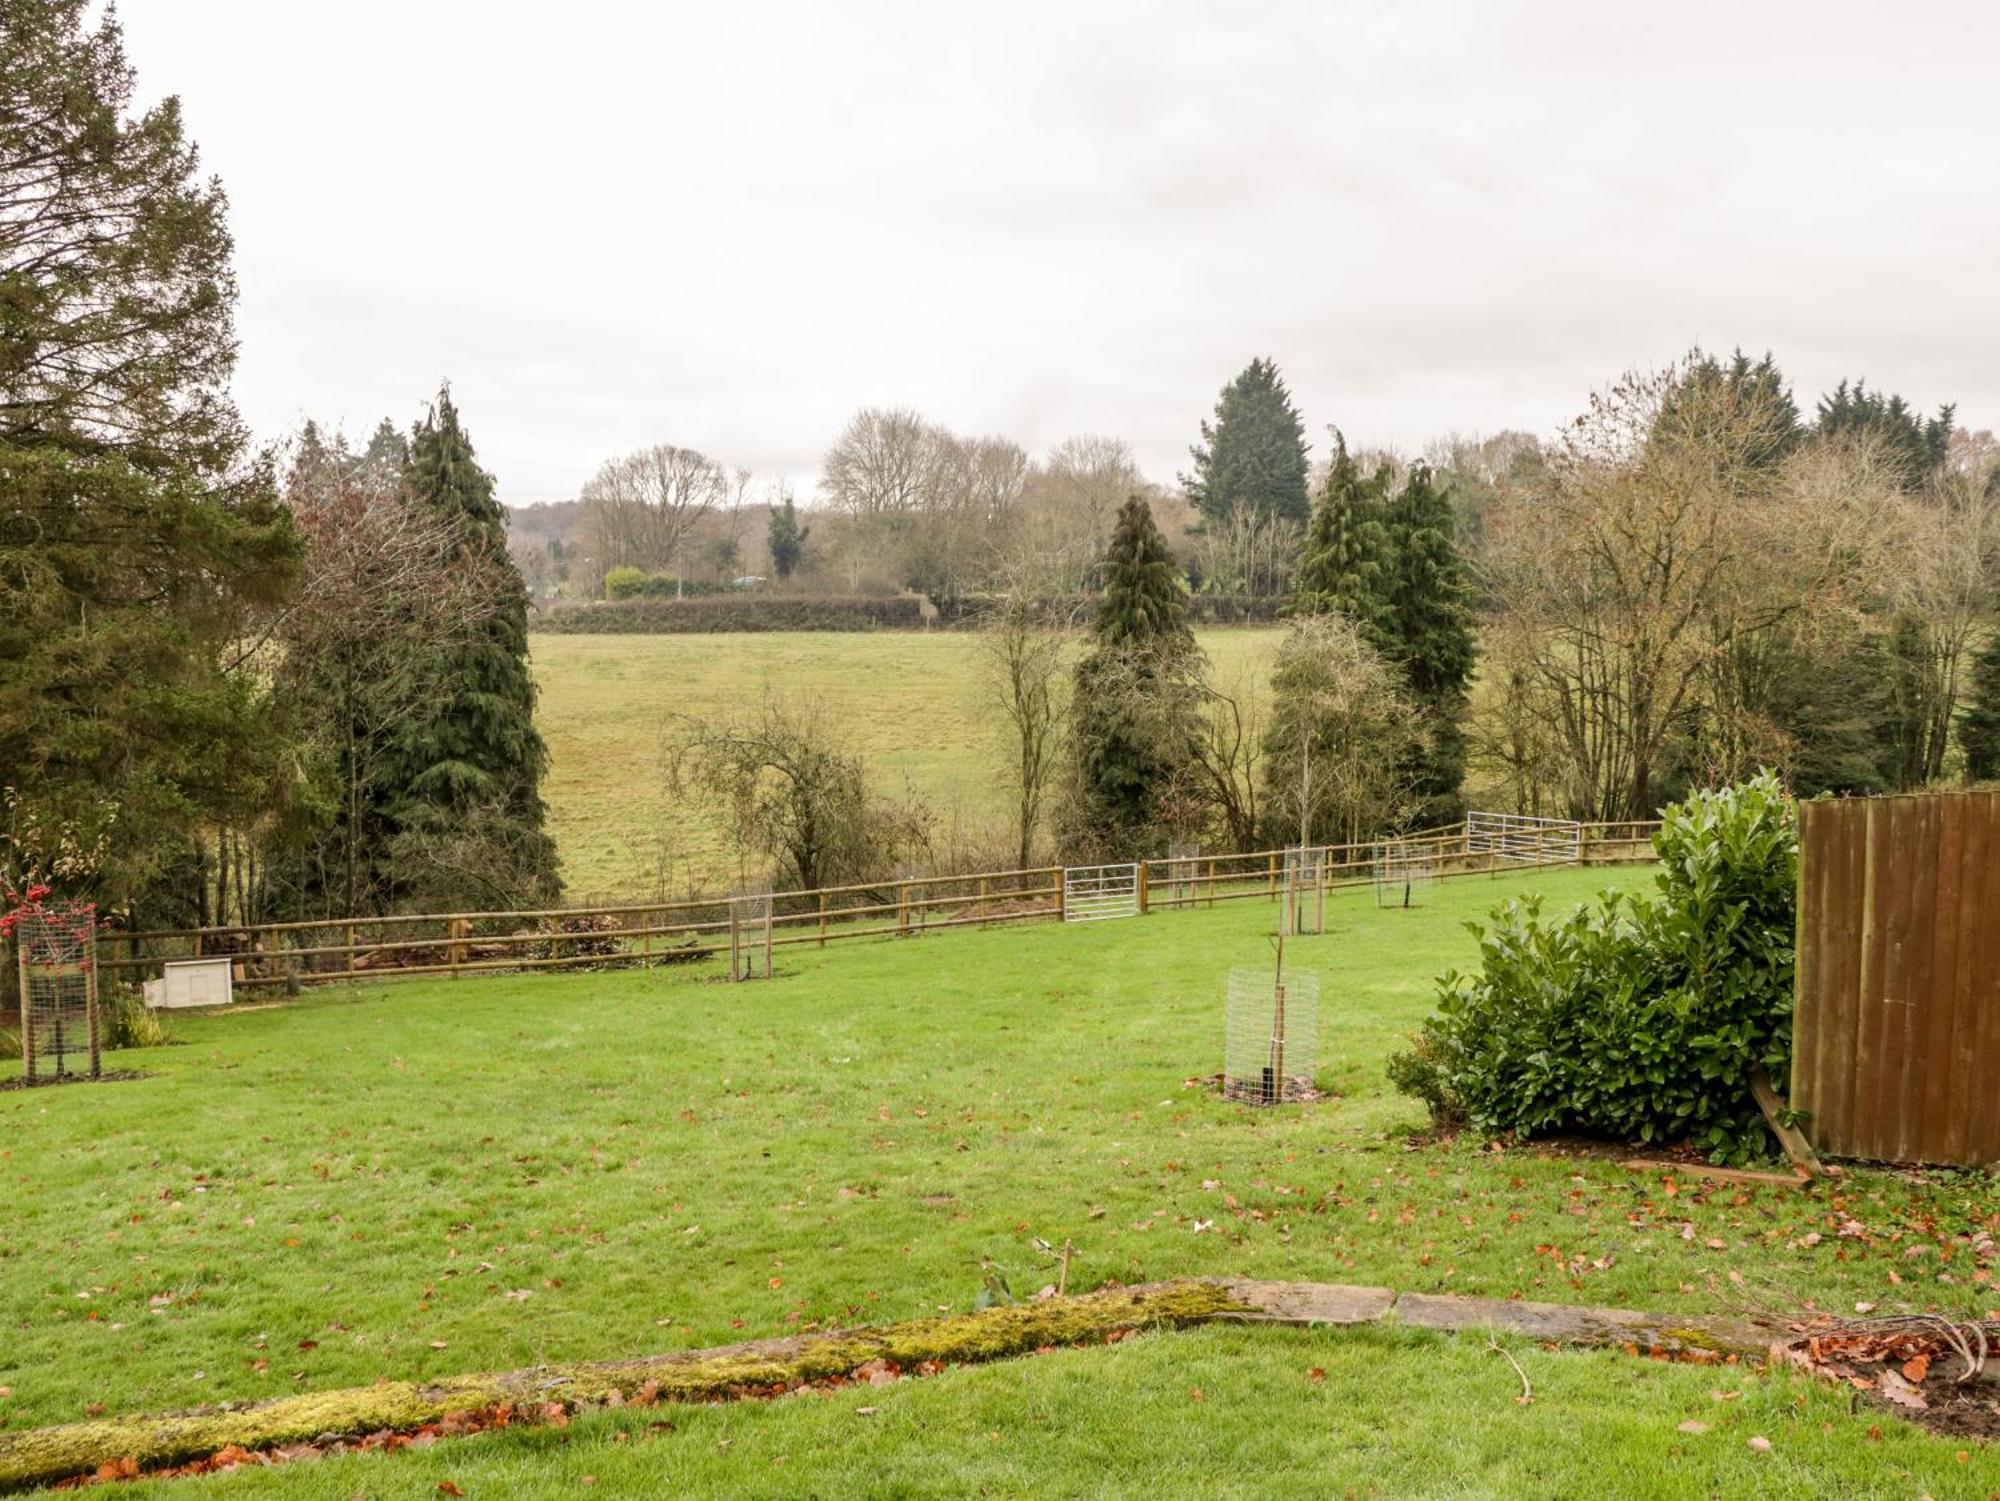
[(1298, 1090), (1933, 1372), (109, 1076)]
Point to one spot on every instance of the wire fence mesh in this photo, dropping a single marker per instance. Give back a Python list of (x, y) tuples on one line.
[(1270, 1036), (58, 967)]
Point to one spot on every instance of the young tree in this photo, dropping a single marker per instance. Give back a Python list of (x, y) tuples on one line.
[(1340, 735), (786, 538), (1136, 692), (1252, 456), (1346, 569), (135, 547), (792, 791), (478, 747)]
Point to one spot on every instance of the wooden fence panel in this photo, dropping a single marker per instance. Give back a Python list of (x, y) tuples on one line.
[(1897, 1030)]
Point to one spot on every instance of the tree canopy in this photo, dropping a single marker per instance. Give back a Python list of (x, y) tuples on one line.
[(1252, 456)]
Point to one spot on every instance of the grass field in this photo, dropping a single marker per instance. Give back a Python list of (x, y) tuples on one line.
[(913, 705), (418, 1178)]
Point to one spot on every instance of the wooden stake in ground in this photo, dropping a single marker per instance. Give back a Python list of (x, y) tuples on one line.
[(1790, 1137)]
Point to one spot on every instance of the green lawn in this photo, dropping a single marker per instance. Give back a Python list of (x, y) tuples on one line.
[(914, 705), (425, 1177)]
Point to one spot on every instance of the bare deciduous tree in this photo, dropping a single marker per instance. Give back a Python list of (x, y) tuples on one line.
[(642, 508), (1340, 734), (1027, 658), (884, 463)]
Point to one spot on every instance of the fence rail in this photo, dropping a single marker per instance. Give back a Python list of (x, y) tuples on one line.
[(310, 951)]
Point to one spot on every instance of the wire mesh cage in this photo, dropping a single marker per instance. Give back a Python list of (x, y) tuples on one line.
[(1305, 889), (1270, 1036), (750, 935), (1405, 871), (58, 969)]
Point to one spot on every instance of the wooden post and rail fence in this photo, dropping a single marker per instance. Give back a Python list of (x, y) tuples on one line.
[(344, 948)]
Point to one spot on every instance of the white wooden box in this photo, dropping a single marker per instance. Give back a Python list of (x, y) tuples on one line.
[(192, 982)]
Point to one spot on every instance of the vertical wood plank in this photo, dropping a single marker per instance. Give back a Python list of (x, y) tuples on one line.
[(1938, 1015), (1808, 1030), (1846, 828), (1916, 902), (1983, 1024), (1867, 982)]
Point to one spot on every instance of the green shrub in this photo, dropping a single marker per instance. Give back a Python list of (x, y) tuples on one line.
[(1639, 1019), (624, 582)]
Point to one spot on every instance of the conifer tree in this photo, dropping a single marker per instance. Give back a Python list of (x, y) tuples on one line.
[(1252, 457), (1430, 599), (479, 756), (1979, 725), (1348, 553), (139, 549), (1136, 694), (787, 538)]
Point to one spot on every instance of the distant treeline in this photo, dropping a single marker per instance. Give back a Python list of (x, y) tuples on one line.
[(747, 611)]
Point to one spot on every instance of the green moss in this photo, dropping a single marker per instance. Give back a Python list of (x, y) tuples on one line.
[(42, 1455)]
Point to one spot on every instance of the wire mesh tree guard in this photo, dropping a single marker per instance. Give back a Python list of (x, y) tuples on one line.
[(1405, 871), (58, 968), (1270, 1036), (750, 935), (1305, 889)]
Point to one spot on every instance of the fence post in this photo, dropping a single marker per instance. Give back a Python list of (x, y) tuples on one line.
[(1145, 886), (1062, 899), (1271, 882), (735, 943), (982, 901), (770, 911), (350, 952), (902, 910), (1211, 881), (822, 917), (27, 1010)]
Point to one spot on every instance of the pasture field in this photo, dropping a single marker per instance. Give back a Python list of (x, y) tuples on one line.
[(411, 1179), (914, 705)]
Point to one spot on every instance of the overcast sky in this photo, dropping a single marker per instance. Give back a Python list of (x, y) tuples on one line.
[(728, 225)]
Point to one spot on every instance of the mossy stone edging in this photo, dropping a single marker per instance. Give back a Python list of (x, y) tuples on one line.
[(43, 1455)]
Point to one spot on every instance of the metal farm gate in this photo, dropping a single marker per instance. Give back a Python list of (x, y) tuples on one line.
[(1896, 1042), (1524, 840), (1094, 892)]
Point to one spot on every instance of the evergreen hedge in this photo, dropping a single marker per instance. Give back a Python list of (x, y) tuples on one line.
[(1641, 1018)]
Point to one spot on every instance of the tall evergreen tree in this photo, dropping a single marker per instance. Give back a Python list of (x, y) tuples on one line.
[(1349, 554), (136, 547), (1252, 457), (1916, 444), (787, 538), (479, 756), (1135, 702), (1431, 601), (1979, 725)]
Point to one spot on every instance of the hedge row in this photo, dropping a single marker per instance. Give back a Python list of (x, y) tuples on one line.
[(795, 612)]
